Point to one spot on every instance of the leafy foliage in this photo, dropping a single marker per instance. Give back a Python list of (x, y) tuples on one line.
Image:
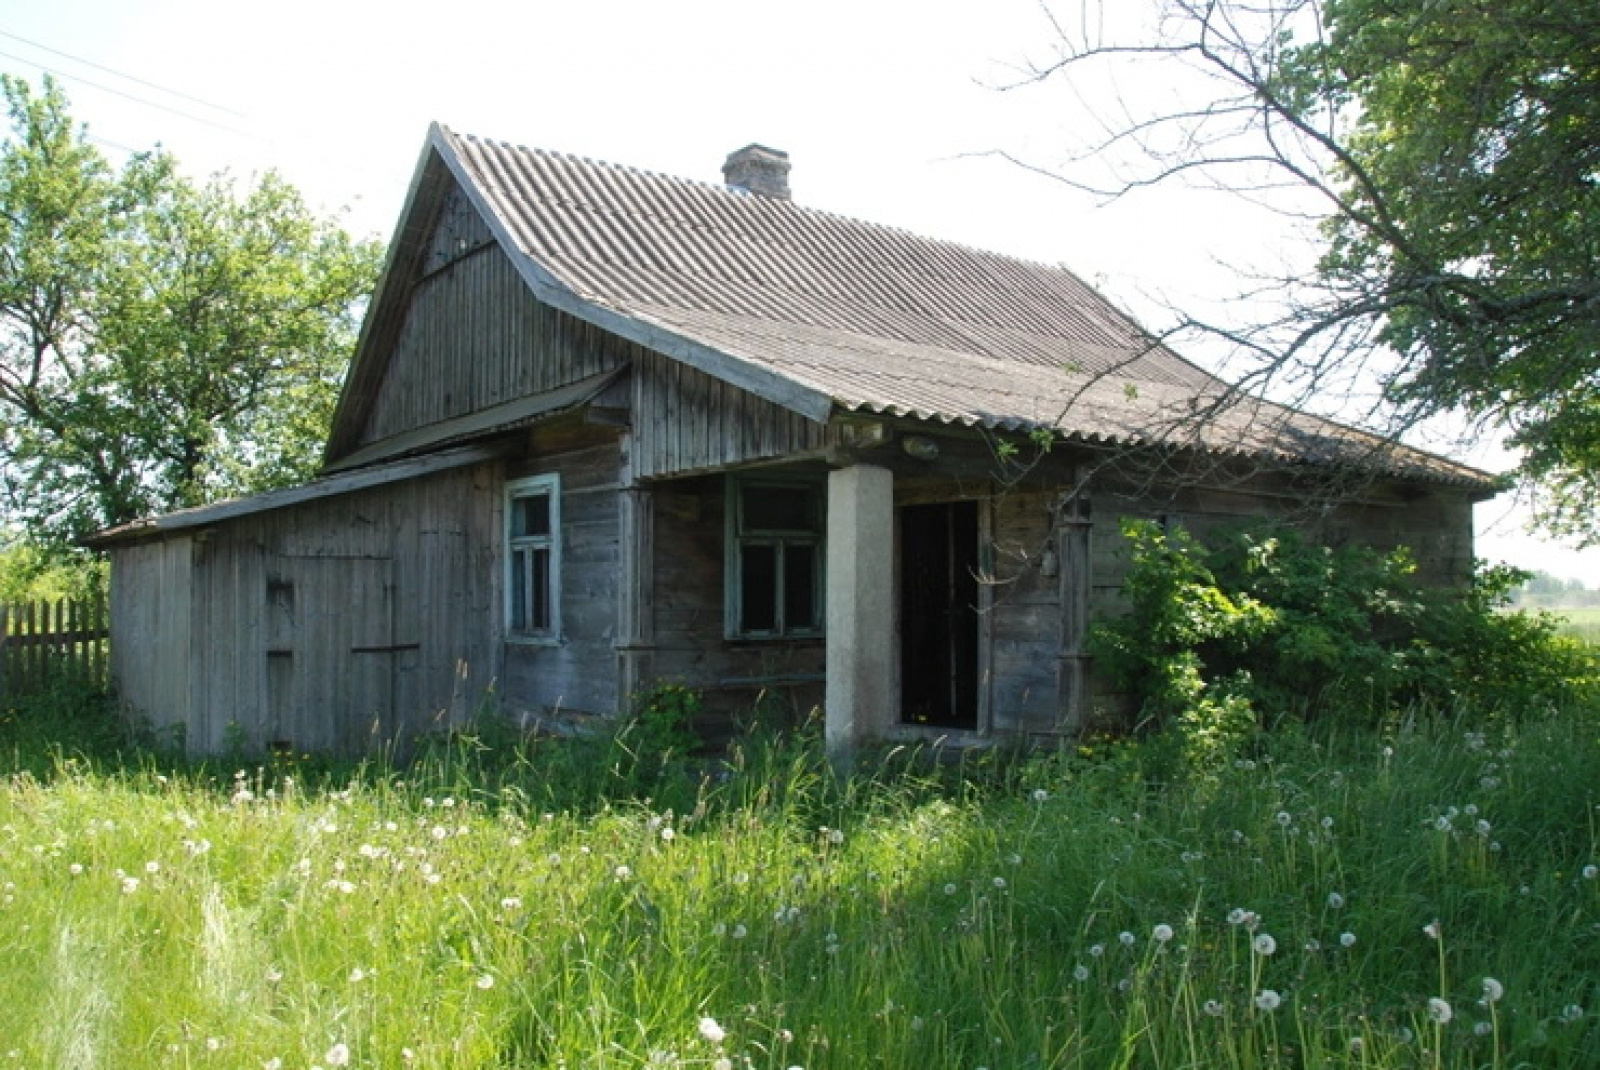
[(162, 343), (1450, 152), (1265, 624)]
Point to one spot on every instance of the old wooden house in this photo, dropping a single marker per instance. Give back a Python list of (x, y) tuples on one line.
[(606, 427)]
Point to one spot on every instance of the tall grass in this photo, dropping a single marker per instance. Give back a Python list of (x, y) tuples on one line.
[(1048, 912)]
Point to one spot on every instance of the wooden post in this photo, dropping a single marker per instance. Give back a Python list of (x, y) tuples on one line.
[(1073, 527), (636, 616)]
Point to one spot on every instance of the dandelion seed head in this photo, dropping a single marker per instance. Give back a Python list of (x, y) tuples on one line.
[(1161, 933), (1080, 973), (712, 1031), (1268, 1000), (1590, 872), (1439, 1011), (1335, 901), (1493, 990), (1284, 818), (485, 981), (1126, 938), (338, 1055), (949, 889), (1433, 929), (1264, 944), (1347, 939), (1040, 795)]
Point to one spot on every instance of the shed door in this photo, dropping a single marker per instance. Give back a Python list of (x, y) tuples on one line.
[(939, 614), (330, 652)]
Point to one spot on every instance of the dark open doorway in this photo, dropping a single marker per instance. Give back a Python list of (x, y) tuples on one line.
[(939, 614)]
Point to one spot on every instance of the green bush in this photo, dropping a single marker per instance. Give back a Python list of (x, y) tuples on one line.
[(1264, 624)]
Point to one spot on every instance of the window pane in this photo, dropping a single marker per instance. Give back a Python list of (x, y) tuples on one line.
[(799, 587), (781, 509), (540, 607), (530, 515), (519, 591), (758, 588)]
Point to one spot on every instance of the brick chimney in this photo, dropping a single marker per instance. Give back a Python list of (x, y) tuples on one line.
[(758, 169)]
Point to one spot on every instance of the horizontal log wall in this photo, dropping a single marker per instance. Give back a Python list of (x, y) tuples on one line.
[(782, 677), (578, 675)]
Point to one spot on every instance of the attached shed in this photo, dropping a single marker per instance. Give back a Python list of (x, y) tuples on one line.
[(605, 428)]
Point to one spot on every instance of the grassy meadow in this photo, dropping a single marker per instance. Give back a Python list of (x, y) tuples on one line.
[(1427, 897)]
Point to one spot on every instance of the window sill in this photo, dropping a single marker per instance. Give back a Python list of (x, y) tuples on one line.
[(533, 640)]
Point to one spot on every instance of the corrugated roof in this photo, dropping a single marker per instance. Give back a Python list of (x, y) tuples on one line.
[(819, 311)]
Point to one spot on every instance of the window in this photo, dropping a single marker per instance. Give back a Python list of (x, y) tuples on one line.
[(774, 561), (533, 559)]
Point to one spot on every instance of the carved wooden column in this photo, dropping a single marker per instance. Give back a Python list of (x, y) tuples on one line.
[(1073, 526)]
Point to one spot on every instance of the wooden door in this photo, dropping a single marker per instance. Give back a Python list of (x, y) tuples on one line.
[(330, 652)]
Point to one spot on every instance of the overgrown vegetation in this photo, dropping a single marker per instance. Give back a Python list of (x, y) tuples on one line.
[(1422, 896), (1263, 626)]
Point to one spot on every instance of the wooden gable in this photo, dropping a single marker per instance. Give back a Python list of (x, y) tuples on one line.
[(470, 339)]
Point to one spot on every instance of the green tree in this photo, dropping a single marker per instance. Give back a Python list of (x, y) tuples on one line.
[(1451, 149), (162, 343)]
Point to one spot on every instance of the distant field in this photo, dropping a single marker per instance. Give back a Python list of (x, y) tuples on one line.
[(1583, 623)]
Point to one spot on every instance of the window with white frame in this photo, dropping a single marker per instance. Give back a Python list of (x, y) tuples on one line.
[(774, 558), (533, 559)]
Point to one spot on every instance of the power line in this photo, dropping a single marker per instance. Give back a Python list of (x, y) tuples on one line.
[(120, 74), (129, 96)]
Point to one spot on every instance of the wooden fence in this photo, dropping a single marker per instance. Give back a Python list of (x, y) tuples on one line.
[(43, 642)]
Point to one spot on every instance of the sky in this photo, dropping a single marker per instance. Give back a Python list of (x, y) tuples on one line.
[(893, 111)]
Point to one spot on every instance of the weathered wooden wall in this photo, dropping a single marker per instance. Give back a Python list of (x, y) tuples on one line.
[(686, 421), (474, 336), (578, 675), (783, 676), (337, 624), (152, 622)]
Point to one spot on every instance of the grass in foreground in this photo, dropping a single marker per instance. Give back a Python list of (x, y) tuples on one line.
[(1428, 899)]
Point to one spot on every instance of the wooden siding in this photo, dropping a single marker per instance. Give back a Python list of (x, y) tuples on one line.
[(686, 421), (475, 337), (782, 677), (336, 624), (152, 629), (578, 675)]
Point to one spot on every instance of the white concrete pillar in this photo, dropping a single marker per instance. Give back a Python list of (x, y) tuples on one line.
[(862, 694)]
